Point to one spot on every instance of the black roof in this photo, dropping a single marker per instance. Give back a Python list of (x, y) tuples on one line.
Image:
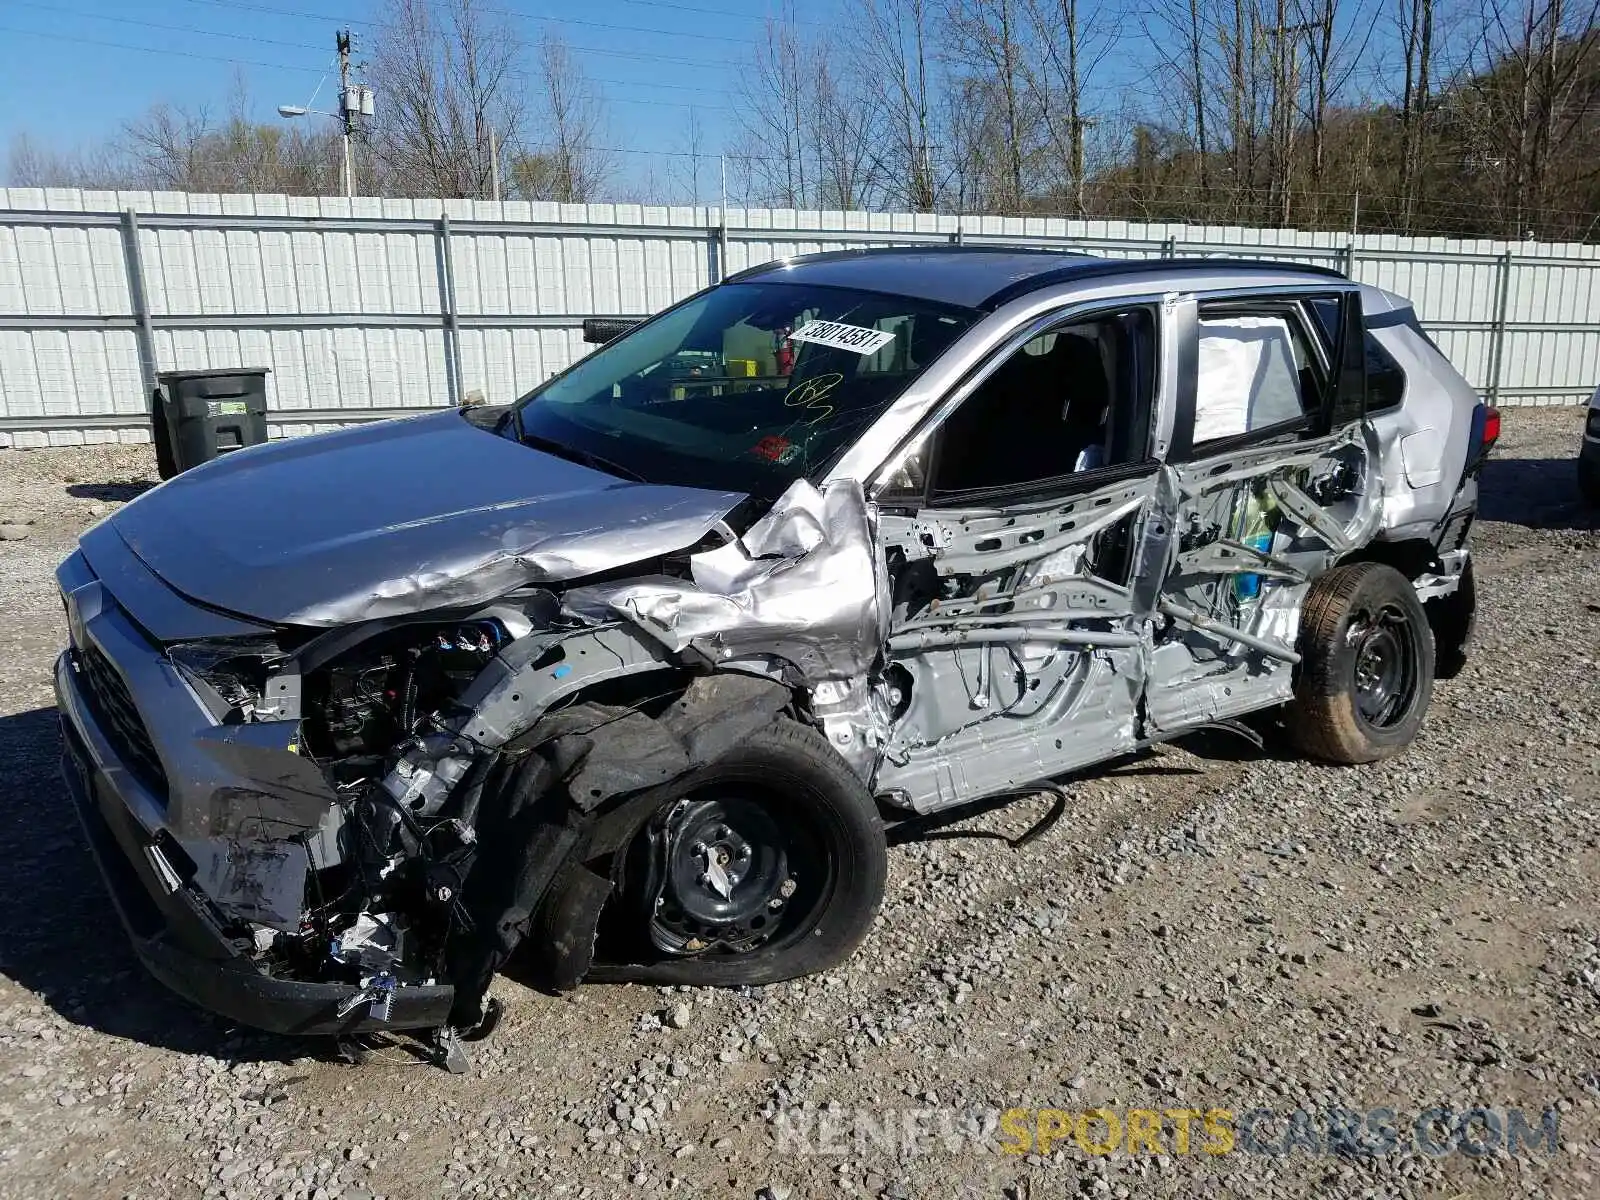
[(978, 276)]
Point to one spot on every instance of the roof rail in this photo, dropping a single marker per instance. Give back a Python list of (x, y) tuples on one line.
[(1125, 266), (917, 247)]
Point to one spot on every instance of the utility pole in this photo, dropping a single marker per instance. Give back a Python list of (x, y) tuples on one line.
[(494, 164), (346, 116), (355, 109)]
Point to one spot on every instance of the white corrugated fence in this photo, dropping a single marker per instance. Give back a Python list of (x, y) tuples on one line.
[(372, 307)]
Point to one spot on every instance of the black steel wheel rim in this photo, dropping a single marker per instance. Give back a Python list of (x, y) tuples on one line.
[(740, 872), (1387, 665)]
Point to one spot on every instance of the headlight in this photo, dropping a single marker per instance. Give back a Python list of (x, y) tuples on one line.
[(232, 672)]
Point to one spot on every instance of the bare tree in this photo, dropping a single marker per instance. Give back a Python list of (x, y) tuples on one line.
[(447, 74), (1534, 104), (1415, 22), (570, 120), (895, 63), (1330, 59), (776, 96), (30, 163), (1068, 50), (972, 131), (987, 42), (686, 169), (846, 132), (809, 132), (191, 150), (1194, 35)]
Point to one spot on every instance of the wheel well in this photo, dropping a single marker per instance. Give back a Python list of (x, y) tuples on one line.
[(646, 691), (1412, 558), (1451, 617)]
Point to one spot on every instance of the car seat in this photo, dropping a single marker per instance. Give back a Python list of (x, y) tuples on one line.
[(1032, 419)]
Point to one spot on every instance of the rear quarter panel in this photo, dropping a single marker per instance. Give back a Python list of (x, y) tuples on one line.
[(1422, 442)]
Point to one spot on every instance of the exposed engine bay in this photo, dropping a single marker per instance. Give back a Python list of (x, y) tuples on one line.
[(382, 914), (461, 794)]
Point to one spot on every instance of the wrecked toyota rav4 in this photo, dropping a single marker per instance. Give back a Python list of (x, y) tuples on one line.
[(631, 677)]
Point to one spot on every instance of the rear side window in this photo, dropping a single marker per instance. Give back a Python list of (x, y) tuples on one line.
[(1386, 379), (1255, 372)]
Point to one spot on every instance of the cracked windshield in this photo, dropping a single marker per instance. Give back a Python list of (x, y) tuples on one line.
[(745, 388)]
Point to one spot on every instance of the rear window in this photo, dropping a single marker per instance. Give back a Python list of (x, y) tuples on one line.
[(1386, 378)]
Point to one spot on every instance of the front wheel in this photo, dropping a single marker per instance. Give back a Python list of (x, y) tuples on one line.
[(767, 864), (1367, 666)]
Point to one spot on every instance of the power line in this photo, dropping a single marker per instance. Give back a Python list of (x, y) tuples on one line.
[(521, 14), (714, 12), (57, 10), (321, 17), (89, 41), (648, 57), (697, 35), (703, 107), (651, 83), (705, 154), (212, 58), (170, 51)]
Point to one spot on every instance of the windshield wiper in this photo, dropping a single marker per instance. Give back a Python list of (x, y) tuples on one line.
[(585, 457)]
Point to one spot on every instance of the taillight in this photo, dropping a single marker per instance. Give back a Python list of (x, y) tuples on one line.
[(1485, 433)]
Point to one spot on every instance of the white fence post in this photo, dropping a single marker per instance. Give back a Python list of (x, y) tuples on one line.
[(143, 333)]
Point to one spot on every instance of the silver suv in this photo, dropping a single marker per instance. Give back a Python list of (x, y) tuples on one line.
[(642, 672)]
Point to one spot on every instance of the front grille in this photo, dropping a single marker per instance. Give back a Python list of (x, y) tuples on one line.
[(124, 728)]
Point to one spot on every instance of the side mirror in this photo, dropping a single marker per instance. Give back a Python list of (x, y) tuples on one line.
[(600, 330)]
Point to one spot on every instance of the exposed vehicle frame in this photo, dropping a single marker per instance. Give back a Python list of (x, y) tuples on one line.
[(655, 732)]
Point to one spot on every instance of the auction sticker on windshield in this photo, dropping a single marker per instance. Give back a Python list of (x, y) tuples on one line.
[(843, 337)]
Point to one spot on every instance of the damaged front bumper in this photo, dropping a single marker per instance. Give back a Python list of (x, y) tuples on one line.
[(177, 931)]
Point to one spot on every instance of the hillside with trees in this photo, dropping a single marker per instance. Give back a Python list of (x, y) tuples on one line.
[(1459, 117)]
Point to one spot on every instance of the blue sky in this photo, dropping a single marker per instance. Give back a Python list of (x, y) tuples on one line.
[(72, 72)]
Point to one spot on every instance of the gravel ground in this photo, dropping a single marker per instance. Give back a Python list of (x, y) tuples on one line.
[(1203, 931)]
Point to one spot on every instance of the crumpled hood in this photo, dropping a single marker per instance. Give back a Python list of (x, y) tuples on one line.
[(399, 517)]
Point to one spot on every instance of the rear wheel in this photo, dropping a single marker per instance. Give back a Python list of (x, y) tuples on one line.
[(766, 864), (1367, 666)]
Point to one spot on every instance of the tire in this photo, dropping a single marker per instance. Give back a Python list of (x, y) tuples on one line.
[(1366, 670), (810, 799)]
